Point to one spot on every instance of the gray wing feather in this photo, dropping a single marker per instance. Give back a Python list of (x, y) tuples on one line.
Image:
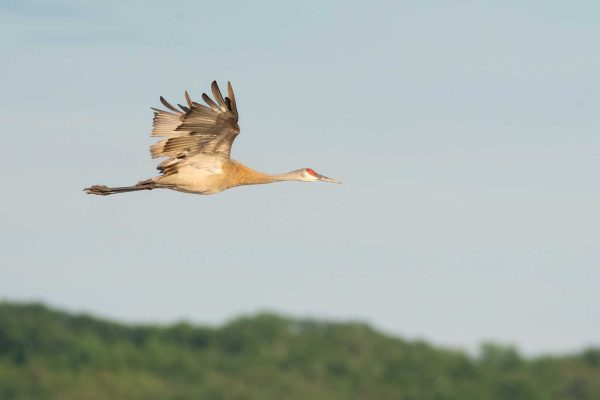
[(197, 132)]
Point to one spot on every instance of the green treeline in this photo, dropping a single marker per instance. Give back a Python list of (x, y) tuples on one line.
[(48, 354)]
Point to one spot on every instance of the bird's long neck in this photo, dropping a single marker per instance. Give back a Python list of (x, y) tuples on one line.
[(288, 176), (238, 174)]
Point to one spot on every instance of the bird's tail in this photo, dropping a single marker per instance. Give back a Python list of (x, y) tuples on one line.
[(103, 190)]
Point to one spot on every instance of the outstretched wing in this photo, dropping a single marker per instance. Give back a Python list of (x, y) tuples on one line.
[(195, 132)]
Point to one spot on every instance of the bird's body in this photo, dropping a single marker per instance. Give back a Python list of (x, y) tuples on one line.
[(214, 179), (198, 143)]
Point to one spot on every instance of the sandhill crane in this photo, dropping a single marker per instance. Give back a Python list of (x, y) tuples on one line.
[(197, 141)]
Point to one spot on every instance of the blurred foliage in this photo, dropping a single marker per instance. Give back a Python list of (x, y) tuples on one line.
[(47, 354)]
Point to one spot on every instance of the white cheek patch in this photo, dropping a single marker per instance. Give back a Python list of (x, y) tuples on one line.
[(310, 177)]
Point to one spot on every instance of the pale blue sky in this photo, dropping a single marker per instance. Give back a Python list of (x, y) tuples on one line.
[(467, 135)]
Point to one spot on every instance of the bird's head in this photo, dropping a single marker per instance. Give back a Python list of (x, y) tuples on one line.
[(309, 175)]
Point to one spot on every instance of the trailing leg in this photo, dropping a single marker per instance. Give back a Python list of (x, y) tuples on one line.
[(103, 190)]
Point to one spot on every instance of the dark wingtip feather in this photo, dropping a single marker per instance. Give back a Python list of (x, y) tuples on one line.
[(217, 94), (184, 108), (169, 106), (231, 97), (210, 101), (159, 111), (188, 99)]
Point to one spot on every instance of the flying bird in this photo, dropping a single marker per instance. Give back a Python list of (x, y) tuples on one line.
[(197, 142)]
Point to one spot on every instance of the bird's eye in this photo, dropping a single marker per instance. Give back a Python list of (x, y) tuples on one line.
[(311, 172)]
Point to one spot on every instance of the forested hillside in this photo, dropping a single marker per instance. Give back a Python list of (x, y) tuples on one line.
[(48, 354)]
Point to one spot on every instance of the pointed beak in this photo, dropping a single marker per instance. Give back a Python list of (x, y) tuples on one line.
[(326, 179)]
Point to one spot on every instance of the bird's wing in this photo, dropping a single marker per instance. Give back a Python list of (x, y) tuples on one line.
[(195, 133)]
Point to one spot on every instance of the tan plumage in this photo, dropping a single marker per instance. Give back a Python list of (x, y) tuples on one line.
[(196, 141)]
